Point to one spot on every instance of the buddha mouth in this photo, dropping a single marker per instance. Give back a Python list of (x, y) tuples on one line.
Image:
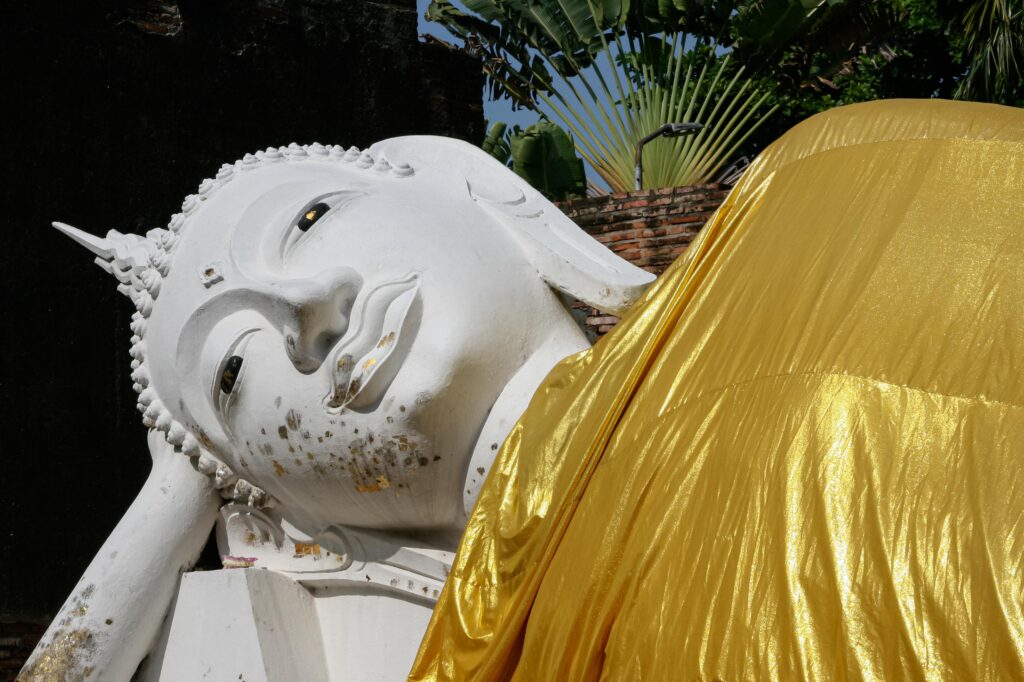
[(365, 361)]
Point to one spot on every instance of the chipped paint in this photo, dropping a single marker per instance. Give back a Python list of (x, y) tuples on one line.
[(382, 483), (65, 657), (69, 650), (205, 440), (238, 561), (307, 549)]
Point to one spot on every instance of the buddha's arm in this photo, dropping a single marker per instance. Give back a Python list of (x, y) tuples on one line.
[(112, 617)]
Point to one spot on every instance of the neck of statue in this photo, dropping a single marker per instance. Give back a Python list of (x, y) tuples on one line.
[(562, 341)]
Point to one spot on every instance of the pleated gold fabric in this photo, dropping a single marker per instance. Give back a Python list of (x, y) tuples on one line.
[(801, 455)]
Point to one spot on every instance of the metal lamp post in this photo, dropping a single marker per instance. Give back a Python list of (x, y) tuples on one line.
[(667, 130)]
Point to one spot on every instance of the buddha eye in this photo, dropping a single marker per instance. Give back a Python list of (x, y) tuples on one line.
[(311, 215), (229, 375), (299, 229)]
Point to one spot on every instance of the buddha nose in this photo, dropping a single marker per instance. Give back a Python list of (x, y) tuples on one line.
[(319, 311)]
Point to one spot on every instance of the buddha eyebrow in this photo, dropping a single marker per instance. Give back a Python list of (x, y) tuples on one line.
[(313, 211)]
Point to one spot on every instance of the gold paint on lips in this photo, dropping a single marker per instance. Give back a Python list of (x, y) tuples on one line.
[(799, 456)]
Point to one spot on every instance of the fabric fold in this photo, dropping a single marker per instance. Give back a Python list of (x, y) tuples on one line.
[(798, 456)]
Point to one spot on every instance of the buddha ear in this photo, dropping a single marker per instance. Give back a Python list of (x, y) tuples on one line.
[(566, 257)]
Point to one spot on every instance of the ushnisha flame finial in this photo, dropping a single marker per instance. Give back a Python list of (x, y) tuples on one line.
[(128, 257)]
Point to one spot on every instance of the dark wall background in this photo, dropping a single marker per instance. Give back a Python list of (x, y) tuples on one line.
[(114, 111)]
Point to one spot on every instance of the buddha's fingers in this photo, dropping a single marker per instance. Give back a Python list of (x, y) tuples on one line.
[(111, 619)]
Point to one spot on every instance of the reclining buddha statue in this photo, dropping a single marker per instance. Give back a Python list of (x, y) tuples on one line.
[(797, 457), (336, 343)]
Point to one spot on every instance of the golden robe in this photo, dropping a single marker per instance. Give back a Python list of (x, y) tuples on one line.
[(801, 455)]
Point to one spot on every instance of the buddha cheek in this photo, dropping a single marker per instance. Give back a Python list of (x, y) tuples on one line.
[(272, 424)]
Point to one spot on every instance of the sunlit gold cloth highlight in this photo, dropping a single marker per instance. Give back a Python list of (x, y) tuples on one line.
[(801, 456)]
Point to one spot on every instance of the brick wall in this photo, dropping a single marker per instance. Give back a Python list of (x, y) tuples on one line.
[(650, 228), (16, 643)]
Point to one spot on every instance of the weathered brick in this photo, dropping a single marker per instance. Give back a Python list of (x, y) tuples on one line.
[(630, 253), (621, 236), (636, 203), (685, 218), (650, 228), (17, 639)]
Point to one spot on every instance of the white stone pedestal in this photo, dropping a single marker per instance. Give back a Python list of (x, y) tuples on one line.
[(257, 625)]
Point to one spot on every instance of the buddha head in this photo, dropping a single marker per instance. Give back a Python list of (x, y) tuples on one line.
[(327, 330)]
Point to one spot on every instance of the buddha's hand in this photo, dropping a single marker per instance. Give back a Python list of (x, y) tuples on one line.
[(112, 617), (159, 449)]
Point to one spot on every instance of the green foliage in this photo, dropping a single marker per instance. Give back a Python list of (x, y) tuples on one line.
[(991, 38), (895, 53), (612, 71), (544, 155), (652, 82), (964, 49), (496, 142), (524, 44), (601, 67)]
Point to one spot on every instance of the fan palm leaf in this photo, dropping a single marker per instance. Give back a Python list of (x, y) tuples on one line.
[(587, 65)]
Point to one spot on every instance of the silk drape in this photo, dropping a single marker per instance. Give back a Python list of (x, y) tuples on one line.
[(800, 455)]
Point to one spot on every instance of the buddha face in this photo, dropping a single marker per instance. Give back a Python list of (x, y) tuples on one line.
[(333, 335), (336, 331)]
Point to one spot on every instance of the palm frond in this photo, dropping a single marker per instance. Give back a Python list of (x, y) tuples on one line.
[(595, 67), (608, 125)]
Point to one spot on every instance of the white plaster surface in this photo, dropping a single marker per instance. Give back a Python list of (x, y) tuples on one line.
[(246, 624), (337, 342), (370, 635)]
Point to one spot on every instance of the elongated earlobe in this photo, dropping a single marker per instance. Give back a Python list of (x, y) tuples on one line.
[(565, 257), (568, 258)]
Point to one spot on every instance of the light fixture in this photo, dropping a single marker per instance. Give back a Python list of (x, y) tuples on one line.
[(667, 130)]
